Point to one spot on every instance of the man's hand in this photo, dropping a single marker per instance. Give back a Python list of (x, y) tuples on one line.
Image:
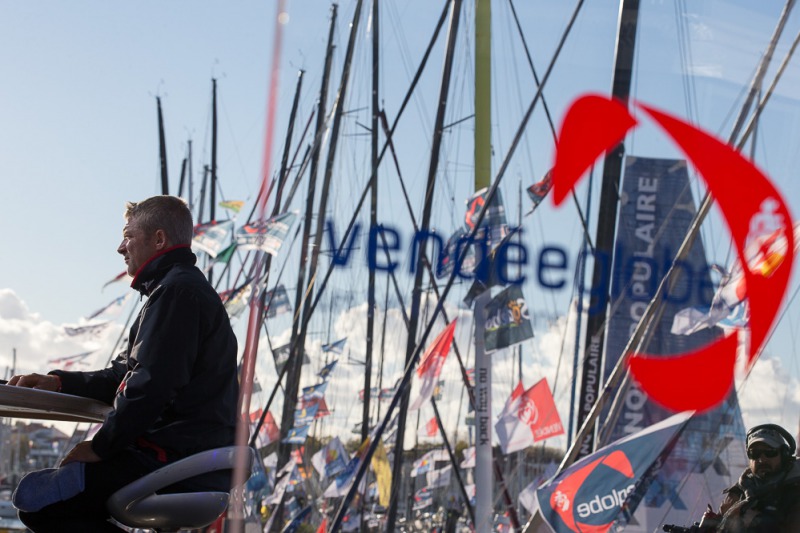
[(81, 453), (37, 381)]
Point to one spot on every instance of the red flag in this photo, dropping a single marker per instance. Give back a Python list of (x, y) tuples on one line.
[(431, 364), (323, 527), (430, 429), (528, 417), (269, 429)]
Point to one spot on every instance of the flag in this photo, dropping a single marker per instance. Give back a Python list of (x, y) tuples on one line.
[(326, 371), (297, 520), (469, 458), (236, 300), (763, 254), (529, 416), (439, 478), (373, 393), (276, 301), (539, 190), (345, 479), (429, 429), (304, 416), (314, 391), (269, 431), (112, 309), (331, 459), (225, 255), (297, 435), (116, 278), (64, 363), (457, 244), (427, 461), (431, 364), (91, 330), (318, 403), (383, 474), (284, 480), (232, 205), (335, 347), (281, 356), (212, 237), (388, 393), (603, 489), (422, 498), (528, 495), (268, 235), (297, 455), (493, 227), (507, 320)]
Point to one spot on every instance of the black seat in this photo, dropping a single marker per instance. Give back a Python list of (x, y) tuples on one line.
[(137, 505)]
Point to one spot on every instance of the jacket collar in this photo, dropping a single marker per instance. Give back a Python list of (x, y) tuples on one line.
[(150, 273)]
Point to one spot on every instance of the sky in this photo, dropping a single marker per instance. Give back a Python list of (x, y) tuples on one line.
[(78, 138)]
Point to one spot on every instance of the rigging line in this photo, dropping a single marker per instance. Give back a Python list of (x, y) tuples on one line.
[(440, 304), (667, 282), (546, 108)]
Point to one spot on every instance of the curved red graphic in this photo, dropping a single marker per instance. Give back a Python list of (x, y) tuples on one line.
[(757, 218), (563, 497)]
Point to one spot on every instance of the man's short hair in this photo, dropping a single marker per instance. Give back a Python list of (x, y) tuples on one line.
[(163, 212)]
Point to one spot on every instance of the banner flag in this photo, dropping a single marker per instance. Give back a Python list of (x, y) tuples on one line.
[(212, 237), (507, 320), (112, 309), (528, 417), (335, 347), (270, 432), (539, 190), (236, 300), (469, 458), (65, 363), (383, 474), (326, 371), (276, 301), (116, 278), (422, 498), (592, 493), (232, 205), (305, 415), (430, 366), (281, 356), (331, 459), (91, 330), (429, 428), (297, 435), (267, 235), (439, 478)]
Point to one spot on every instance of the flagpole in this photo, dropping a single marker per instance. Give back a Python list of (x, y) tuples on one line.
[(483, 370)]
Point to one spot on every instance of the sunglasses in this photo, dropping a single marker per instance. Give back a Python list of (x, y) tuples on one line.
[(755, 455)]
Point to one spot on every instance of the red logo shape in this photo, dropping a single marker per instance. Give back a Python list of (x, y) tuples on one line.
[(563, 497), (698, 380)]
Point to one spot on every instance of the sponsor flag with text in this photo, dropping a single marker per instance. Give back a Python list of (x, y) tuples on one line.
[(602, 490), (529, 416)]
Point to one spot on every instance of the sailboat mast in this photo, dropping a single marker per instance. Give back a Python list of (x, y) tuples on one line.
[(294, 363), (397, 467), (213, 193), (606, 228), (373, 218), (162, 149)]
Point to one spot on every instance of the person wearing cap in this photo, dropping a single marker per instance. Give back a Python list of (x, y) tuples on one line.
[(767, 496)]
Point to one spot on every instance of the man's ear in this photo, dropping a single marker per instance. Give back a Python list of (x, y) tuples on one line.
[(161, 239)]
